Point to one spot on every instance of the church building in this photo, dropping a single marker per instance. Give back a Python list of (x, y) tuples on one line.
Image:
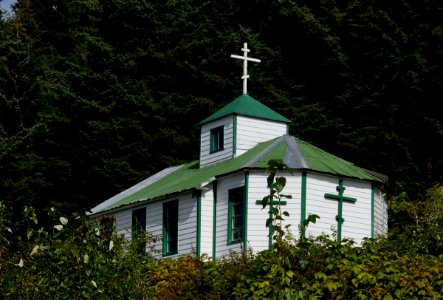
[(213, 205)]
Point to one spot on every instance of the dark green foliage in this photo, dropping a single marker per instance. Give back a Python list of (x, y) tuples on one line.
[(97, 95)]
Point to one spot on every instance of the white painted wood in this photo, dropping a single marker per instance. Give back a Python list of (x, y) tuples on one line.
[(207, 158), (223, 187), (245, 59), (187, 224), (357, 224), (258, 233), (380, 213), (207, 214), (123, 221), (251, 131)]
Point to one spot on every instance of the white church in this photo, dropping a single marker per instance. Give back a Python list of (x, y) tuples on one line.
[(213, 205)]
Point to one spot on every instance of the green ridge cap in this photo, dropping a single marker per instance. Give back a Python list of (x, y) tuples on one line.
[(245, 105)]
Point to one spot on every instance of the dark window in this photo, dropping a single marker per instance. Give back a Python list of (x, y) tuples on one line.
[(139, 229), (217, 139), (236, 215), (170, 227)]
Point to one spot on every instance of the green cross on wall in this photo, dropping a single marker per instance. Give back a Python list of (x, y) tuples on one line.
[(271, 205), (340, 198)]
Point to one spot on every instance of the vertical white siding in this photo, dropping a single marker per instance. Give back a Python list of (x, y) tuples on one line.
[(357, 215), (257, 231), (251, 131), (223, 186), (380, 213), (207, 158), (207, 212)]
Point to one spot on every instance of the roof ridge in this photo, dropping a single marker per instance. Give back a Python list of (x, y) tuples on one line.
[(293, 156), (268, 149)]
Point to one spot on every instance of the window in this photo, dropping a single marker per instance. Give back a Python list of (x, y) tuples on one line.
[(217, 139), (170, 227), (139, 228), (236, 215)]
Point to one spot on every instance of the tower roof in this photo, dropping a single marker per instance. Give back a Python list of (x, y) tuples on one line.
[(245, 105)]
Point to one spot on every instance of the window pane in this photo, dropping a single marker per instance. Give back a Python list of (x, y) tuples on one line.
[(236, 211), (216, 139), (170, 223)]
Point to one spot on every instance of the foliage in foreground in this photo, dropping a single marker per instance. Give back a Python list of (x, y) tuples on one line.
[(79, 259), (76, 260)]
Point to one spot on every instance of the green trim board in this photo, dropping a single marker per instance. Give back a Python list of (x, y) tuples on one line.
[(271, 206), (303, 202), (214, 221), (199, 222), (236, 215), (340, 199)]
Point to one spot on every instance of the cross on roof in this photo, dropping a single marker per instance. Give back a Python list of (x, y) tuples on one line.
[(245, 59)]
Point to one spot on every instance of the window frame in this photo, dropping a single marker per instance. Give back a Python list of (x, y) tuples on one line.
[(233, 202), (217, 139), (170, 231), (138, 227)]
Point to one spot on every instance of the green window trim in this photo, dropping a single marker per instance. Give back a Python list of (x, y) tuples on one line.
[(214, 224), (303, 203), (236, 216), (217, 139), (138, 227), (170, 228)]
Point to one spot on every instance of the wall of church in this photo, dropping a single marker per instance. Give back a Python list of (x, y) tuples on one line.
[(258, 233), (380, 213), (207, 213), (251, 131), (207, 158), (223, 187), (357, 216)]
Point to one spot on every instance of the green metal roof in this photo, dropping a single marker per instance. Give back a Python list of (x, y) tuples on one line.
[(245, 105), (294, 152)]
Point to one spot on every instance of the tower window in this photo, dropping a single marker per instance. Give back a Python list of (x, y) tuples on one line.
[(217, 139)]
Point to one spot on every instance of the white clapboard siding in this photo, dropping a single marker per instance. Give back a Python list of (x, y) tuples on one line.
[(154, 224), (251, 131), (357, 222), (223, 187), (380, 213), (207, 212), (123, 221), (258, 233), (207, 158), (187, 224)]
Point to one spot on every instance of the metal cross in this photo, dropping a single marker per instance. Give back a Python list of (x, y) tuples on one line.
[(340, 198), (245, 59)]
